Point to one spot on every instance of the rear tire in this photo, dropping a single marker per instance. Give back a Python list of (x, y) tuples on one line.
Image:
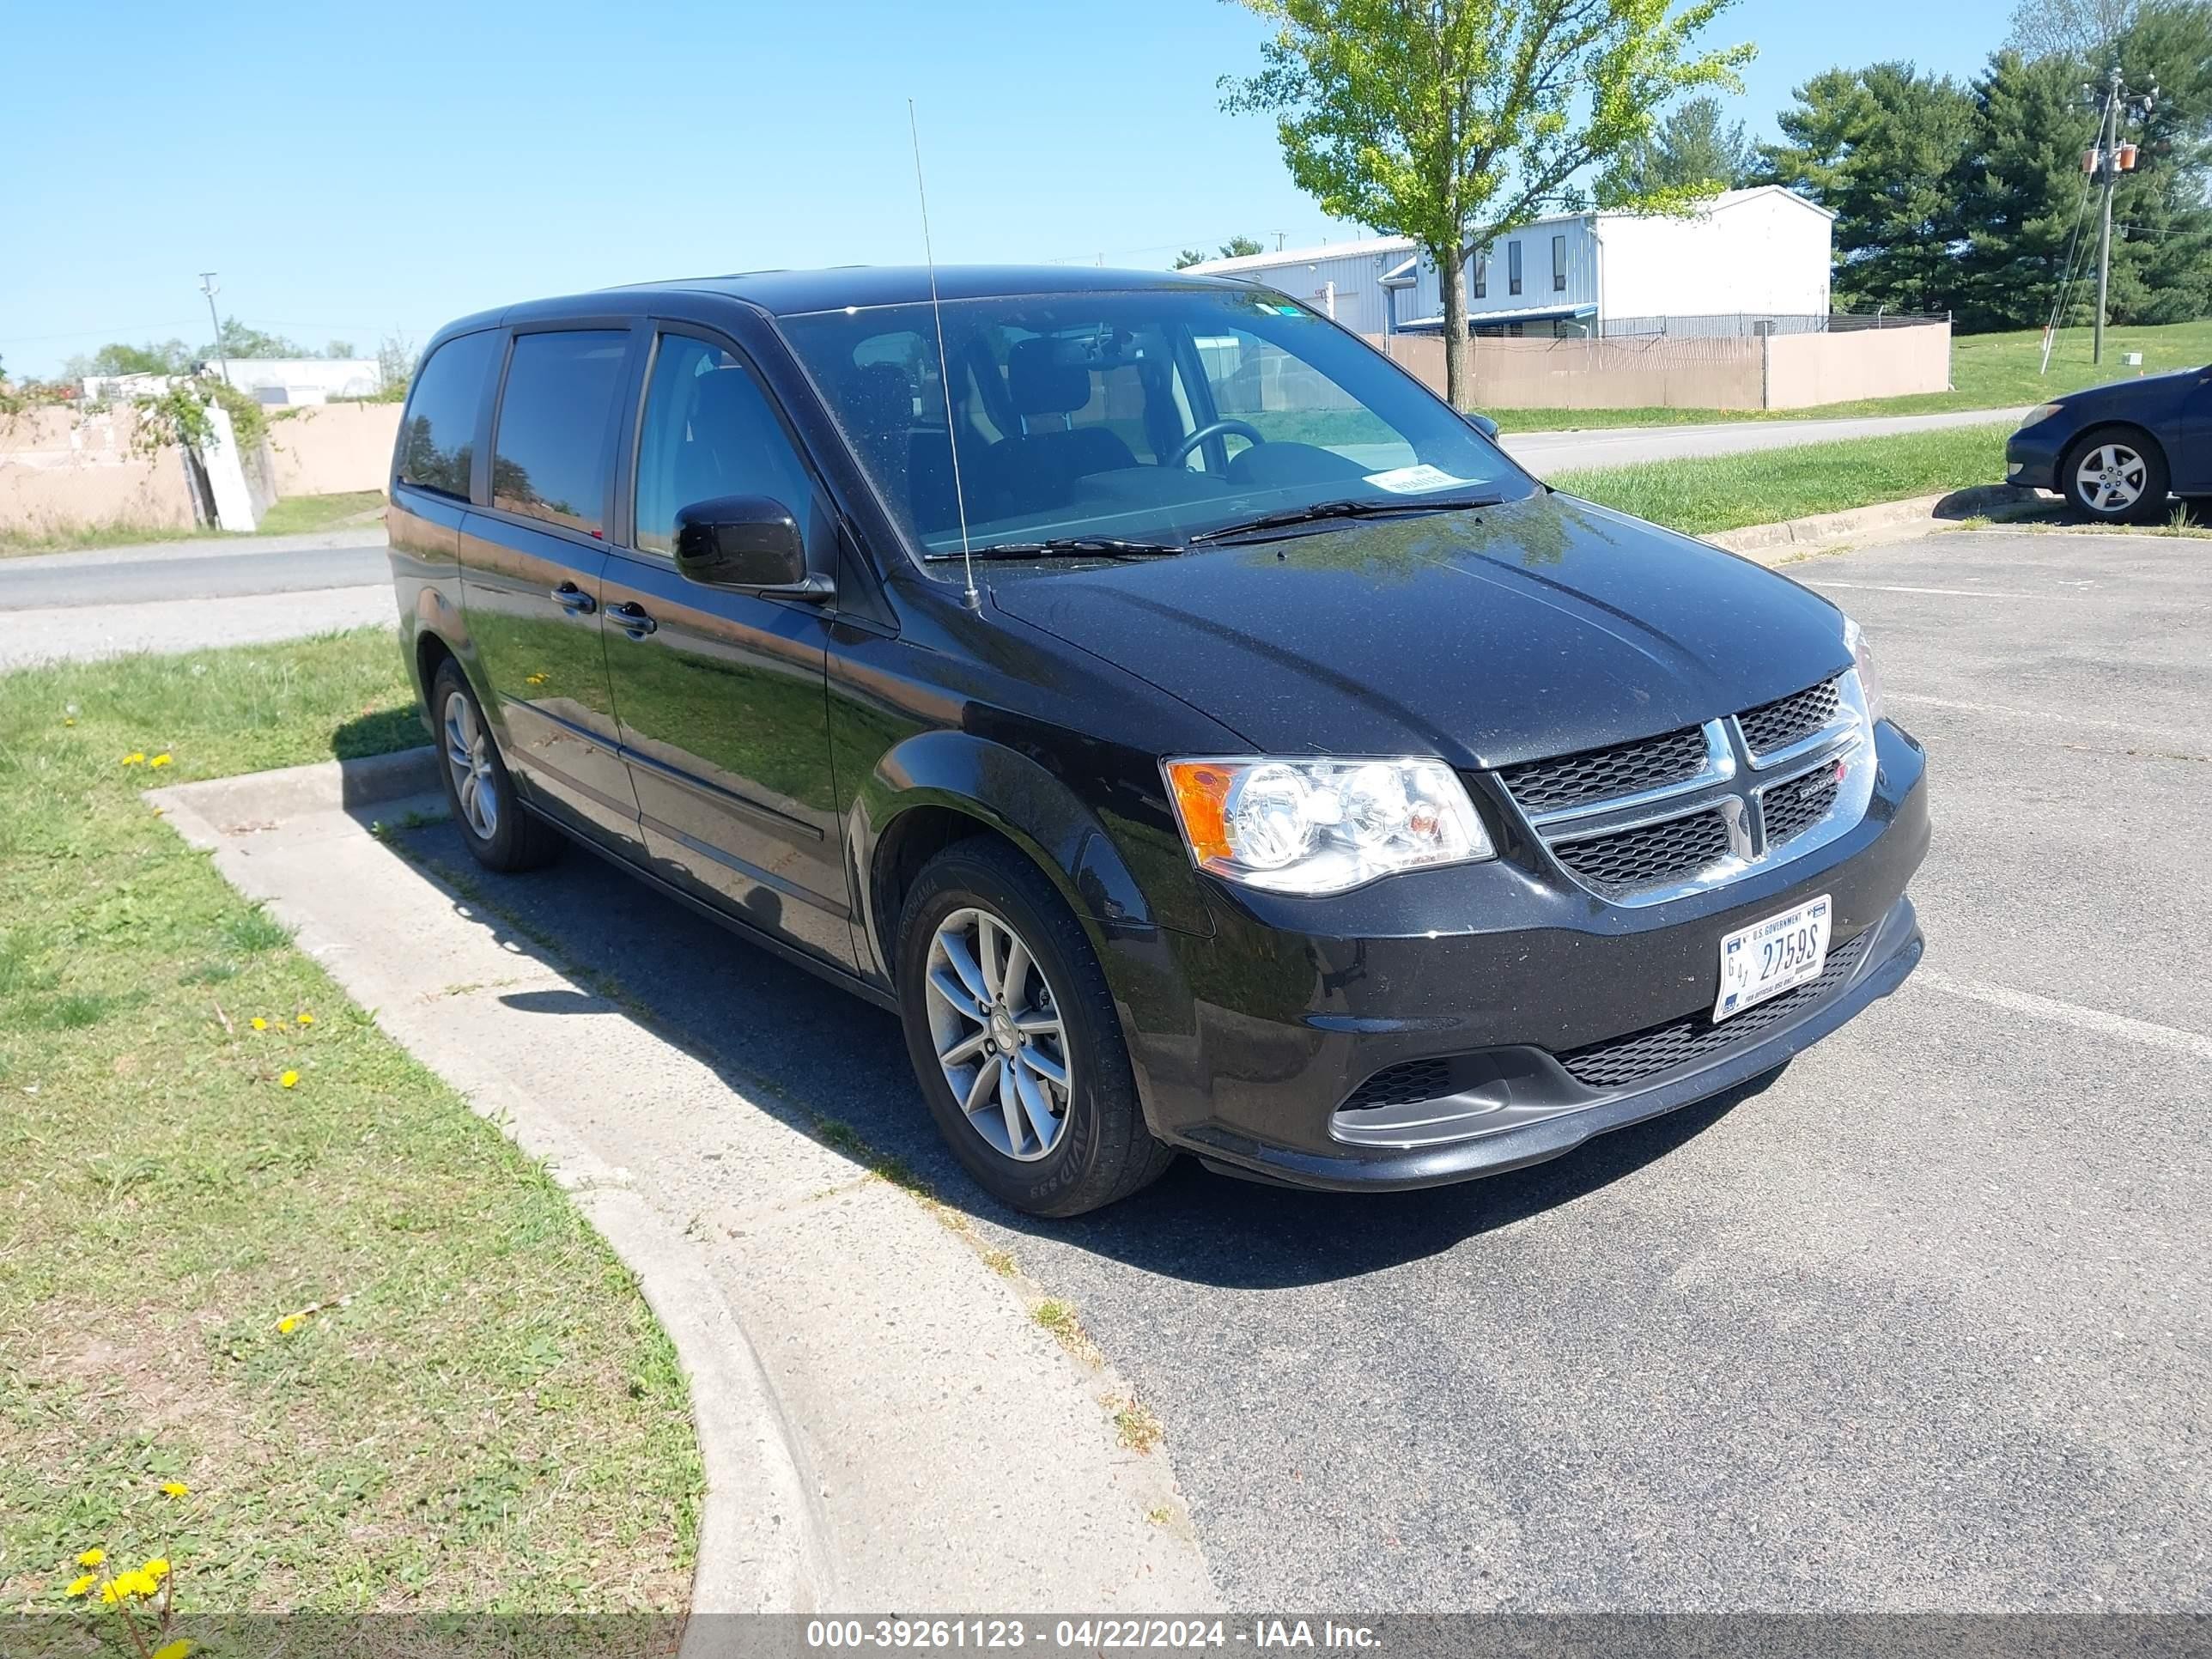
[(2116, 475), (502, 834), (993, 1034)]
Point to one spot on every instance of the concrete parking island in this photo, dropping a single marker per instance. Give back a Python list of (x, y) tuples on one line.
[(884, 1422)]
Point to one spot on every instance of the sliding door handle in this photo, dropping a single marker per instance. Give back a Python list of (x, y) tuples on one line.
[(574, 600), (631, 617)]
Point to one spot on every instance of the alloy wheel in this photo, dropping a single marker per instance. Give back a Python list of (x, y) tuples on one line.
[(2110, 478), (468, 757), (995, 1024)]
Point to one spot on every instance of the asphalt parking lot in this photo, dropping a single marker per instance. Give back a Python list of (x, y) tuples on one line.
[(1922, 1322)]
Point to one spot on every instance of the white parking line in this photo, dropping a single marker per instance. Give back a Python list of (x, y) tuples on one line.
[(2050, 715), (1948, 593), (2169, 1037)]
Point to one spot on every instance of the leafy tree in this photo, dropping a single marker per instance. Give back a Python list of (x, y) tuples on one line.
[(1188, 258), (1690, 148), (169, 357), (1237, 247), (2071, 28), (1887, 149), (339, 350), (1454, 122), (238, 340)]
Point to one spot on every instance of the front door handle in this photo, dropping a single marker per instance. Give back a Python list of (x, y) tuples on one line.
[(574, 600), (631, 617)]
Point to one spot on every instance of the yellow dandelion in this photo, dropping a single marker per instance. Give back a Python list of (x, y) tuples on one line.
[(288, 1324), (259, 1024), (136, 757), (156, 1568), (174, 1489), (176, 1649), (535, 679), (159, 760), (91, 1558), (306, 1019), (112, 1592), (289, 1080), (139, 1583), (82, 1586), (68, 720)]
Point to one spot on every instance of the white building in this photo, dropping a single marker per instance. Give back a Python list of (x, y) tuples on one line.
[(303, 379), (1750, 257)]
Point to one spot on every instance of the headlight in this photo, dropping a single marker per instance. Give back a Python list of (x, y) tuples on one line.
[(1322, 826), (1862, 659), (2040, 412)]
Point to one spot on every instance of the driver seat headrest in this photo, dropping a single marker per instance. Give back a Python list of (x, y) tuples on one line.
[(1039, 384)]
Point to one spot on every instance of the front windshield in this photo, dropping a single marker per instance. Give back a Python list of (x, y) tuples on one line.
[(1143, 416)]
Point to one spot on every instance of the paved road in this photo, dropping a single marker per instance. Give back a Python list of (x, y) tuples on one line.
[(1546, 452), (1923, 1323)]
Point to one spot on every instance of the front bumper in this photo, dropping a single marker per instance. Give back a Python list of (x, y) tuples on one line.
[(1247, 1045), (2032, 456)]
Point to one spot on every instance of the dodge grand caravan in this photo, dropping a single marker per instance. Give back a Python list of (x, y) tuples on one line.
[(1199, 735)]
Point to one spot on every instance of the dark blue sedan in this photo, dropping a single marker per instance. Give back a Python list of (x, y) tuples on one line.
[(2116, 452)]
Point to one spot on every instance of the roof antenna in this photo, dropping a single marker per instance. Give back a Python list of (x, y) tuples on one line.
[(973, 599)]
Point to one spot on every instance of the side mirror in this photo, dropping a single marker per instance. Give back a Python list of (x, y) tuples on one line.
[(1481, 423), (748, 542)]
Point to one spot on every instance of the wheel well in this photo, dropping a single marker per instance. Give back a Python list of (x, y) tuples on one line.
[(912, 839), (430, 655)]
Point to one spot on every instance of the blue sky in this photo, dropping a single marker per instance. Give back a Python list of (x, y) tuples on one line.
[(354, 170)]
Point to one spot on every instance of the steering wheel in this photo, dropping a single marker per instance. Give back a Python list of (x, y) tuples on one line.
[(1213, 429)]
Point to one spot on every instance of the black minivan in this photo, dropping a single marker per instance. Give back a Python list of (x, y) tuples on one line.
[(1201, 736)]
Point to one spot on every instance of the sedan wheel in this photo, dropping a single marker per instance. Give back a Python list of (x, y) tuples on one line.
[(468, 757), (996, 1026), (2111, 478)]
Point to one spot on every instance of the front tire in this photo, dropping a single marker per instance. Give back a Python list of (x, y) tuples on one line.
[(501, 835), (1014, 1038), (2116, 475)]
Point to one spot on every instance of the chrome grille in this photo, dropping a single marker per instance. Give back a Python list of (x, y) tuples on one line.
[(1776, 724), (1649, 854), (1619, 1061), (1644, 822), (1593, 774), (1795, 806)]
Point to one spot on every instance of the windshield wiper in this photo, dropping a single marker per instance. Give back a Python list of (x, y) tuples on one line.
[(1111, 547), (1357, 507)]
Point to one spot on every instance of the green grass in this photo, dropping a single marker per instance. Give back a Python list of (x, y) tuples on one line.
[(293, 515), (492, 1421), (1724, 492), (296, 514), (1988, 371)]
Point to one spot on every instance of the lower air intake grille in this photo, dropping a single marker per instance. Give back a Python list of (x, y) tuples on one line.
[(1402, 1085), (1618, 1061), (1648, 855)]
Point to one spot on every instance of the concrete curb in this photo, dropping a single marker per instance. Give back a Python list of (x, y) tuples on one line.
[(759, 1545), (1920, 516)]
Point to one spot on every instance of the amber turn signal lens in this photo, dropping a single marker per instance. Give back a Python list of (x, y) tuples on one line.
[(1201, 797)]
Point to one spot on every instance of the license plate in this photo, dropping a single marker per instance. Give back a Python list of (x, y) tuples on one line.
[(1771, 957)]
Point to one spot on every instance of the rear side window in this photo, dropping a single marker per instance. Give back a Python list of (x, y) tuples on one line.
[(555, 445), (438, 441)]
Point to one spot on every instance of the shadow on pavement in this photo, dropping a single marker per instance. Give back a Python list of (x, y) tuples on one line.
[(806, 1051)]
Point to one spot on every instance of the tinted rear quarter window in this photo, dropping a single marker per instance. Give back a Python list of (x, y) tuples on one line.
[(437, 440), (555, 446)]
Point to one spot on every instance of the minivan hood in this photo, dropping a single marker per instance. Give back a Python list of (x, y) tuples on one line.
[(1540, 627)]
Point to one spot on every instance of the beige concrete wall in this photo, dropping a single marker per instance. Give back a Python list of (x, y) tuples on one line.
[(1778, 371), (1806, 370), (62, 471), (329, 447)]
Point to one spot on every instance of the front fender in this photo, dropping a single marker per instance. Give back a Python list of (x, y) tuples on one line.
[(1095, 866)]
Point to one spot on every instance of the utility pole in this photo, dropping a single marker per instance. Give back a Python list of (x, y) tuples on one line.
[(2110, 163), (209, 287)]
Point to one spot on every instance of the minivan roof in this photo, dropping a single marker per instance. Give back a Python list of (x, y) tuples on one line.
[(787, 293)]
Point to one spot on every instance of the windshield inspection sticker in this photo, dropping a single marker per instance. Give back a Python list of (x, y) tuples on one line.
[(1415, 480)]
